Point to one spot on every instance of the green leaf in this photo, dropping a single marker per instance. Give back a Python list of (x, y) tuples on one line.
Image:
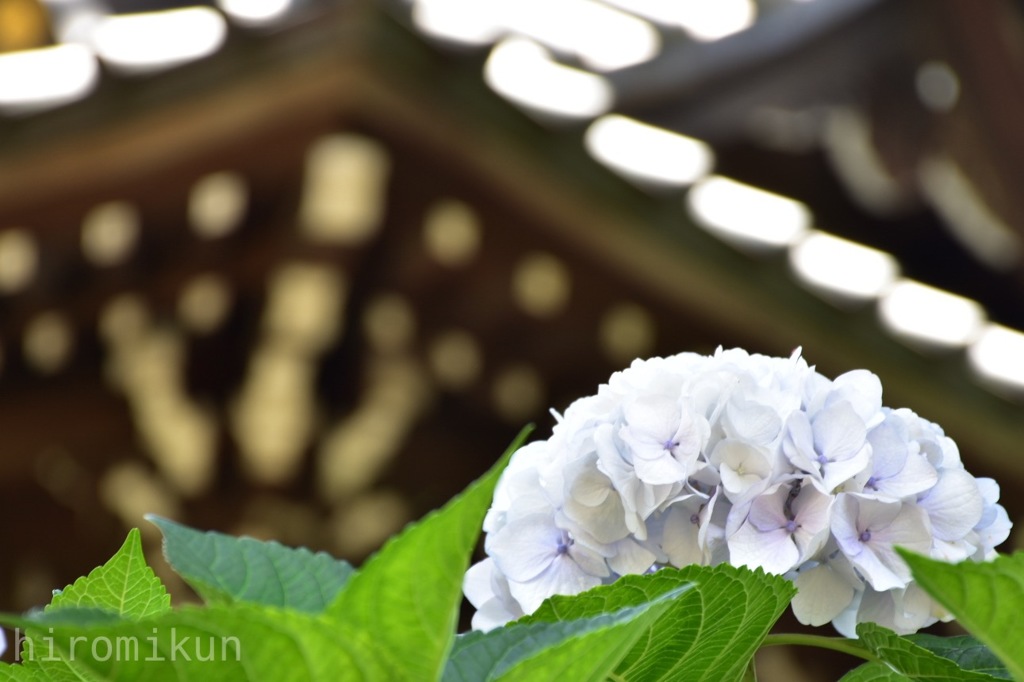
[(584, 649), (125, 585), (874, 672), (408, 594), (987, 599), (225, 569), (913, 661), (20, 673), (964, 650), (750, 674), (709, 633), (225, 642)]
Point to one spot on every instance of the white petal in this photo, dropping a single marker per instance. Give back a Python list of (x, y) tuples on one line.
[(813, 515), (904, 611), (494, 613), (863, 390), (915, 610), (989, 490), (952, 552), (873, 514), (681, 541), (774, 551), (954, 504), (633, 558), (890, 445), (585, 483), (487, 590), (563, 576), (476, 584), (997, 531), (846, 622), (839, 432), (916, 476), (822, 594), (661, 471), (839, 471), (604, 523), (844, 524), (525, 547), (745, 468), (752, 421), (878, 572), (881, 565), (812, 507), (798, 443), (767, 510), (588, 560), (651, 418)]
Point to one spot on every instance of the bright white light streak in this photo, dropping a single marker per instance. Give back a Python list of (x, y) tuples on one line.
[(747, 215), (522, 71), (842, 267), (604, 38), (577, 27), (708, 21), (704, 21), (919, 312), (469, 22), (153, 41), (635, 41), (646, 153), (31, 80), (255, 12), (998, 355), (662, 11)]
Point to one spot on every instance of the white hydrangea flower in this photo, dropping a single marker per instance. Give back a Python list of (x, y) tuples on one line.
[(831, 445), (868, 530), (664, 438), (898, 470), (826, 589), (782, 527), (486, 588), (994, 526), (684, 529), (592, 507), (540, 559), (738, 458), (904, 610)]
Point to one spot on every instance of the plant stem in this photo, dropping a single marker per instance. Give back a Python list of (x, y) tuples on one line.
[(847, 646)]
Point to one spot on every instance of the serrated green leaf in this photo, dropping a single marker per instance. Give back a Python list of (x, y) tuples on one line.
[(964, 650), (709, 633), (125, 585), (71, 616), (874, 672), (987, 598), (911, 660), (225, 569), (238, 642), (20, 673), (408, 594), (584, 649)]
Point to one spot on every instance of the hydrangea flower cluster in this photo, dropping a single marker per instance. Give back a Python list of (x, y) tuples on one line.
[(741, 458)]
